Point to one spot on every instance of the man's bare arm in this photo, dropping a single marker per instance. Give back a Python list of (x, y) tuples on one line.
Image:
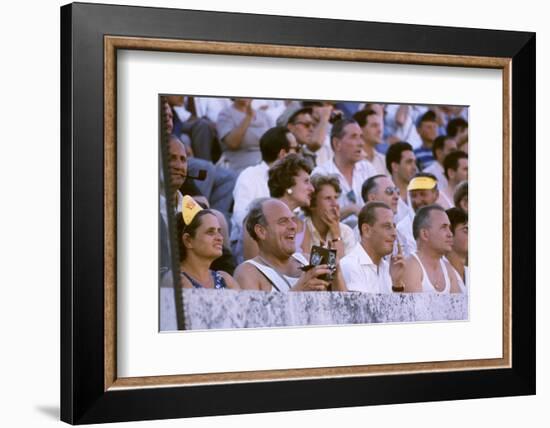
[(412, 277)]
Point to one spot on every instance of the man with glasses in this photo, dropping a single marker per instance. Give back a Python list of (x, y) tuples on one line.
[(299, 121), (380, 188), (349, 166)]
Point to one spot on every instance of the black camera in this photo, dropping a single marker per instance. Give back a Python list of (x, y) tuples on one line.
[(323, 256)]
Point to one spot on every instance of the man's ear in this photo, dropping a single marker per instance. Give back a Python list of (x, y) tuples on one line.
[(282, 154), (423, 234), (365, 229), (260, 231)]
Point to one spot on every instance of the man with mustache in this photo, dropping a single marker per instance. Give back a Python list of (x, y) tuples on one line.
[(426, 270)]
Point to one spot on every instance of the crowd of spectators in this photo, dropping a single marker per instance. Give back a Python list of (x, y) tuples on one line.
[(255, 186)]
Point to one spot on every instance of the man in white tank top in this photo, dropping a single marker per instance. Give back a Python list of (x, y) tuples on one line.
[(277, 266), (458, 257), (425, 270)]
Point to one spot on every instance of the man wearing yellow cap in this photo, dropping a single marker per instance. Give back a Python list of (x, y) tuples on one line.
[(423, 191)]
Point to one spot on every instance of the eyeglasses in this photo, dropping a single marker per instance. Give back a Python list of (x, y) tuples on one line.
[(296, 149), (305, 124), (391, 190)]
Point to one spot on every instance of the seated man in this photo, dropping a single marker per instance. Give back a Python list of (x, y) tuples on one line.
[(455, 167), (443, 145), (401, 164), (275, 144), (426, 271), (365, 268), (423, 190), (372, 126), (216, 186), (381, 188), (428, 131), (277, 268), (458, 257), (349, 167)]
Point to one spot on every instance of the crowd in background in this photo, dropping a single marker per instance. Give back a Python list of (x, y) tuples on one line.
[(254, 185)]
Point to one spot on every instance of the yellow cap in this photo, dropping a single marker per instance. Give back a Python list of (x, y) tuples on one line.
[(189, 209), (422, 183)]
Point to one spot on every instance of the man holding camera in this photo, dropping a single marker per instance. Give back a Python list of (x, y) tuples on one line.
[(366, 268), (278, 267)]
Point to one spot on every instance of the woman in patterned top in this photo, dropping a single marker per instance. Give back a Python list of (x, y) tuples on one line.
[(200, 243)]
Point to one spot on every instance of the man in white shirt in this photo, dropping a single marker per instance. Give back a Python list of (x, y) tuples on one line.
[(423, 191), (365, 268), (349, 167), (455, 166), (401, 164), (275, 144), (372, 126), (443, 145)]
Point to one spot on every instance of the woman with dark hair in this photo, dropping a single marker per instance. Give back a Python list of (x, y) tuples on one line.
[(200, 242), (289, 182), (322, 224)]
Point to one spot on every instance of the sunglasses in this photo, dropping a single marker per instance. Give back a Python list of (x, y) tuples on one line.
[(391, 190)]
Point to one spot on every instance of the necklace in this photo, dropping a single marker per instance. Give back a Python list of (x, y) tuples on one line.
[(435, 284)]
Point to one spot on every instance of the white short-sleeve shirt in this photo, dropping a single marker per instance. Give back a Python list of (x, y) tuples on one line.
[(361, 274), (361, 172)]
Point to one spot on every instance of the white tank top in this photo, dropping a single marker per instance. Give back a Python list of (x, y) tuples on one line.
[(427, 286), (282, 283), (461, 284)]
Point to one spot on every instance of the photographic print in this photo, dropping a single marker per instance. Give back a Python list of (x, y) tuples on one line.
[(231, 191), (288, 212)]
